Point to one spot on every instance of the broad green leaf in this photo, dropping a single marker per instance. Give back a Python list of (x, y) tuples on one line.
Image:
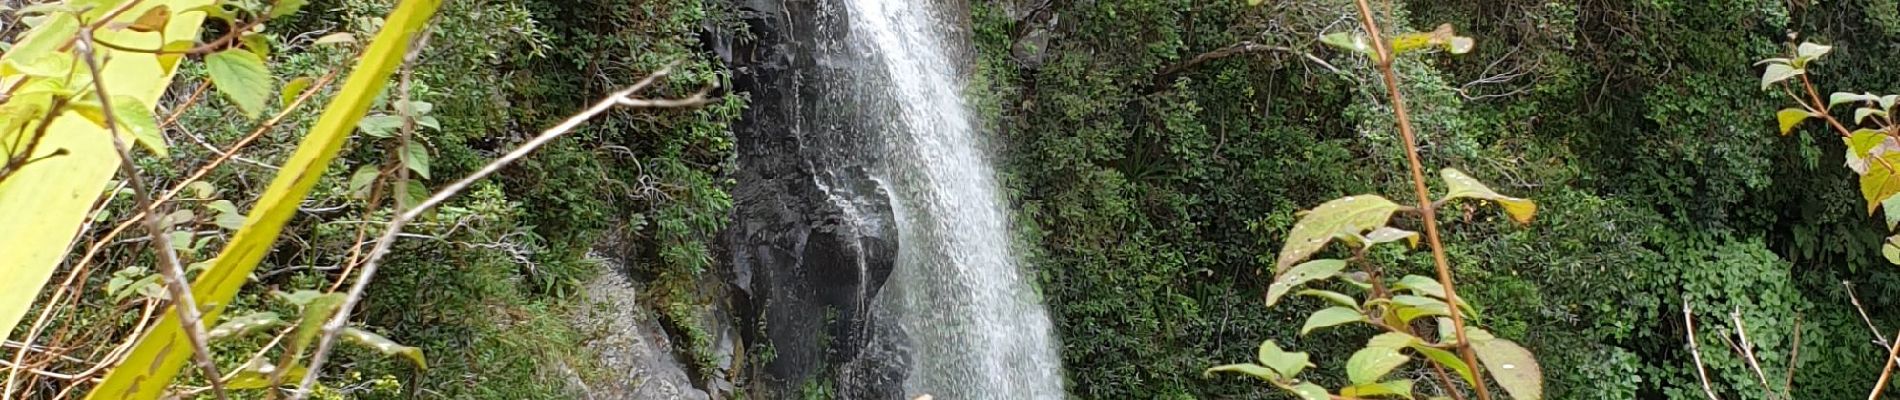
[(1892, 207), (293, 89), (1389, 234), (243, 79), (136, 119), (1447, 359), (1331, 316), (286, 7), (317, 308), (222, 206), (360, 181), (1880, 181), (1463, 186), (1300, 275), (1410, 307), (1352, 214), (1420, 285), (1254, 370), (43, 205), (1777, 73), (386, 346), (1861, 114), (1789, 117), (245, 324), (1398, 388), (1371, 363), (1807, 52), (430, 122), (381, 126), (42, 42), (1886, 102), (1862, 142), (1891, 251), (1844, 97), (154, 361), (1310, 391), (416, 157), (257, 44), (1286, 363), (1511, 365), (1348, 41), (1393, 340), (335, 38), (1333, 297)]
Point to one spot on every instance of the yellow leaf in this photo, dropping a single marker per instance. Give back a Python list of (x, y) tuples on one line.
[(1789, 117), (154, 362), (43, 204), (1880, 181), (1463, 186)]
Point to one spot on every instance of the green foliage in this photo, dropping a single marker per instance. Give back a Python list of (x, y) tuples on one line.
[(1638, 125)]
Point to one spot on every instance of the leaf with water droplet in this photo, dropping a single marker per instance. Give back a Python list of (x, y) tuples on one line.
[(1300, 275)]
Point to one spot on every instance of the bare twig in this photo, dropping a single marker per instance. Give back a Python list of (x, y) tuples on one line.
[(171, 269), (1787, 386), (1426, 211), (1688, 320), (336, 323), (1246, 47), (1878, 338), (1748, 351)]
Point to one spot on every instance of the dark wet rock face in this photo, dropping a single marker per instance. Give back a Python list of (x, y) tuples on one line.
[(812, 239)]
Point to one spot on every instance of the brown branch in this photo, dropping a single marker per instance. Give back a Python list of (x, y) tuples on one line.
[(170, 268), (1787, 386), (393, 230), (1246, 47), (1426, 212), (1885, 372)]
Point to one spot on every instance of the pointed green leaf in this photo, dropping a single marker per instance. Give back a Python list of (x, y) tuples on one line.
[(1332, 297), (1287, 364), (1349, 42), (242, 77), (1891, 251), (1514, 368), (1371, 363), (1410, 307), (1447, 359), (286, 7), (1394, 340), (1420, 285), (1844, 97), (417, 159), (1254, 370), (381, 126), (1399, 388), (1463, 186), (244, 324), (293, 89), (1300, 275), (386, 346), (1892, 207), (1807, 52), (1861, 114), (1789, 117), (1886, 102), (1777, 73), (360, 181), (1352, 214), (1389, 234), (1331, 316)]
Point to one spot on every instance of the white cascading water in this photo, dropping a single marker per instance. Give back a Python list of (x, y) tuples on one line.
[(976, 328)]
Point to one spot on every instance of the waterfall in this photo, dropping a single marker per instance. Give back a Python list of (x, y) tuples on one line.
[(975, 327)]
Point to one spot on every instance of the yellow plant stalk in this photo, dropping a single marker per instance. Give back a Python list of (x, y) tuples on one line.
[(155, 361)]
